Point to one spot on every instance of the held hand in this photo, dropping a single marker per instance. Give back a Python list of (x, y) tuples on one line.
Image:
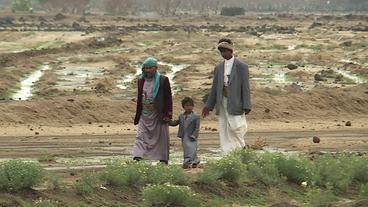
[(167, 119), (205, 111)]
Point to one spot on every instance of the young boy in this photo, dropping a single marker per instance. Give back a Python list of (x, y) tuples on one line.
[(188, 132)]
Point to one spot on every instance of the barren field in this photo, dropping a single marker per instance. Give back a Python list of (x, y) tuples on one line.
[(67, 86)]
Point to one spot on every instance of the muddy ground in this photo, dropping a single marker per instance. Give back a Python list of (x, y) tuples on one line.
[(309, 77)]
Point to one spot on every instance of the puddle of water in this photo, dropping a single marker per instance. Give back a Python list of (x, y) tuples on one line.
[(26, 85), (349, 61), (171, 75), (291, 47), (123, 84), (75, 77), (351, 76)]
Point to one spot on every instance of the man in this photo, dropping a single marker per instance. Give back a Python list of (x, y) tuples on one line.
[(230, 94), (154, 111)]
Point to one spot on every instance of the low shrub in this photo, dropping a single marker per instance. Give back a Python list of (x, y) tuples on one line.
[(86, 184), (208, 177), (364, 191), (16, 175), (321, 198), (264, 169), (125, 174), (161, 173), (295, 169), (229, 168), (335, 172), (360, 168), (140, 173), (169, 195)]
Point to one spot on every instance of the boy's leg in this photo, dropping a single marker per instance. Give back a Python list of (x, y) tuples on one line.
[(137, 158)]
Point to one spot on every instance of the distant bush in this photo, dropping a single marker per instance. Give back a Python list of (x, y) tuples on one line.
[(169, 195), (232, 11), (17, 175), (21, 5)]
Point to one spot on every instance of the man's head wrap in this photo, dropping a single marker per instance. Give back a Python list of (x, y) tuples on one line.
[(225, 45)]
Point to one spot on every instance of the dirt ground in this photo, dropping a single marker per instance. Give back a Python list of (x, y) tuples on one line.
[(308, 72)]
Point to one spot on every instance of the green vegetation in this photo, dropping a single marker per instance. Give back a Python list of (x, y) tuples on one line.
[(21, 5), (16, 175), (244, 177), (169, 195)]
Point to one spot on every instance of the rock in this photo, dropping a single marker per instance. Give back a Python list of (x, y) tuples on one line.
[(286, 112), (37, 133), (100, 126), (70, 100), (316, 139), (100, 88), (75, 25), (267, 110), (291, 66), (59, 17), (318, 77), (348, 123), (347, 43), (315, 24), (6, 20), (339, 78), (89, 122)]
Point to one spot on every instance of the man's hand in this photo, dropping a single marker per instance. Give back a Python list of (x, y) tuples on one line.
[(246, 111), (205, 111)]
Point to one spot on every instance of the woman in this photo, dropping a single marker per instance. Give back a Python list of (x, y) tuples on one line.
[(154, 111)]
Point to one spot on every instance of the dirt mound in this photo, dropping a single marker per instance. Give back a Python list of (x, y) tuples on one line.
[(68, 110), (324, 103)]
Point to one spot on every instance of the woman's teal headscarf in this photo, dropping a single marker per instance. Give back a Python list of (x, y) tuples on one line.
[(151, 61)]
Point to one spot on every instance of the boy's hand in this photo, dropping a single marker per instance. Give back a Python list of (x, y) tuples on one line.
[(205, 111), (193, 138)]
